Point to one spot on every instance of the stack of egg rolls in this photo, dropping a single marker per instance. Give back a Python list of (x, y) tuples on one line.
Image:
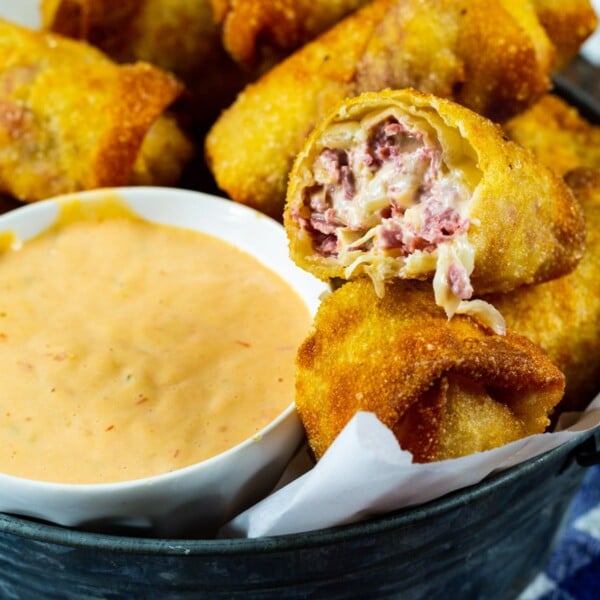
[(493, 57), (71, 119), (402, 177), (561, 317)]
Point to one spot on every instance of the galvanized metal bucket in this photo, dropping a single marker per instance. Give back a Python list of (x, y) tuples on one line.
[(487, 541)]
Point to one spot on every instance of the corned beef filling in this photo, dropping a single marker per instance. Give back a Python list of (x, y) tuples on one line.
[(386, 193)]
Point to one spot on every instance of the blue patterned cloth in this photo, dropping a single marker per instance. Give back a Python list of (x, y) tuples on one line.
[(573, 571)]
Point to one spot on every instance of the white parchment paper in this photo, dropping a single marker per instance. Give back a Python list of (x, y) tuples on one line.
[(365, 472)]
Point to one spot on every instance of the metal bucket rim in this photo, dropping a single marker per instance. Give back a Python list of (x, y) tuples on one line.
[(51, 533)]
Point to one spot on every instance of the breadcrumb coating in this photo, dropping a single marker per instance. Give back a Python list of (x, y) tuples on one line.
[(386, 355)]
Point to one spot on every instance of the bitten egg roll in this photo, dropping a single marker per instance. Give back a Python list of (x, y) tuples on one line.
[(494, 57), (562, 316), (258, 33), (393, 354), (557, 134), (402, 184), (70, 119)]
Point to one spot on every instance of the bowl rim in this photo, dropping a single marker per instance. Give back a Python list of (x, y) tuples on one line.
[(40, 531)]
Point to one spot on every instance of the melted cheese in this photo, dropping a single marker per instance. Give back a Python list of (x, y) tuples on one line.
[(360, 244)]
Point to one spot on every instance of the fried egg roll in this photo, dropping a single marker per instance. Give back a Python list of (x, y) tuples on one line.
[(394, 354), (494, 57), (402, 184), (70, 119), (562, 316), (258, 33), (179, 36), (175, 35), (568, 23), (557, 134)]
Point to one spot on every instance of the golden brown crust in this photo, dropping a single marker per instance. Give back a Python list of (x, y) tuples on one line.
[(78, 120), (563, 315), (144, 92), (259, 33), (165, 152), (383, 355), (493, 57), (557, 134), (456, 417), (568, 23), (179, 36), (70, 18), (525, 224)]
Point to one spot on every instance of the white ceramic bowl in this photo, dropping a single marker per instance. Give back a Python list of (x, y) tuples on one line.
[(197, 498)]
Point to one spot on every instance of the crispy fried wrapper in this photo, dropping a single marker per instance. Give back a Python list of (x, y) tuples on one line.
[(258, 33), (164, 153), (563, 316), (402, 184), (568, 24), (494, 57), (176, 35), (387, 355), (557, 134), (455, 417), (179, 36), (71, 119)]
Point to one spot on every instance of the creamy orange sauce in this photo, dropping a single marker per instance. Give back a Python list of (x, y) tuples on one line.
[(129, 349)]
